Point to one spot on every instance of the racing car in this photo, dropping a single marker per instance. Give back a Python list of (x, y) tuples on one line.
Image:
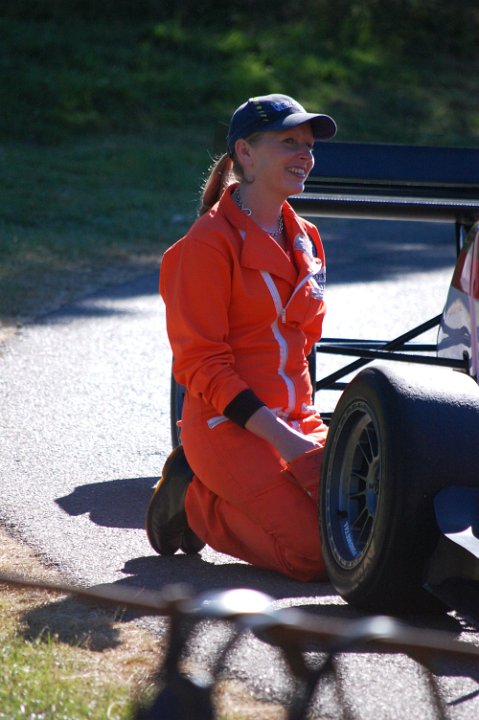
[(399, 497)]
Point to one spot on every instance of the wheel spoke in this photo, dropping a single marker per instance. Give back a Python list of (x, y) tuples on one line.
[(372, 439), (356, 495), (359, 476), (364, 446), (365, 531), (359, 522)]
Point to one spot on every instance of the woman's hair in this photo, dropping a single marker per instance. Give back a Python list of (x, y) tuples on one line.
[(221, 175), (224, 171)]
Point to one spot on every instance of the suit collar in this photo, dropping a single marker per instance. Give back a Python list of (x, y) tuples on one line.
[(260, 252)]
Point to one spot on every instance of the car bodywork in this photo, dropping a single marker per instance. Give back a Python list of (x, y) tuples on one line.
[(459, 327)]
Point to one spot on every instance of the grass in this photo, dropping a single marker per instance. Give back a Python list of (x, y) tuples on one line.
[(65, 660), (70, 213), (44, 679), (108, 124), (99, 193)]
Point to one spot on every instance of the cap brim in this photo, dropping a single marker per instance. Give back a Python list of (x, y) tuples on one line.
[(323, 126)]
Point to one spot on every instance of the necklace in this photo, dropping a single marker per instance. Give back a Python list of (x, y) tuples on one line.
[(247, 211)]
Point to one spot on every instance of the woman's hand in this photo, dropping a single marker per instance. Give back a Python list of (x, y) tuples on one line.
[(288, 442)]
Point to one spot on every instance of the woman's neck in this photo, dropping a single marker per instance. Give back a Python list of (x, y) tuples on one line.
[(264, 210)]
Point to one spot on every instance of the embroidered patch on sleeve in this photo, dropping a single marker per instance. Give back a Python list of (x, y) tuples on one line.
[(319, 283), (304, 245)]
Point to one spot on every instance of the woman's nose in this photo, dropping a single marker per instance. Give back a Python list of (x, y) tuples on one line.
[(306, 153), (306, 150)]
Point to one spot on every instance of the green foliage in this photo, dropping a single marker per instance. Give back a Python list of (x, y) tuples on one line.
[(402, 70)]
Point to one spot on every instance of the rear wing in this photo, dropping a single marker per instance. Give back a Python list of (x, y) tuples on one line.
[(393, 182)]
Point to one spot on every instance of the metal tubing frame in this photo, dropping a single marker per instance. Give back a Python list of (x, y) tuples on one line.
[(368, 350)]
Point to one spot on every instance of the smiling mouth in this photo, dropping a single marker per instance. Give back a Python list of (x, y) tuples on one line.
[(297, 172)]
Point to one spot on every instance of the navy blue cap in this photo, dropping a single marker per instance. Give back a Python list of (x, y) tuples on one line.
[(275, 112)]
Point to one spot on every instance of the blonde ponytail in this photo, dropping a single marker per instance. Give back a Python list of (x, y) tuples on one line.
[(221, 175)]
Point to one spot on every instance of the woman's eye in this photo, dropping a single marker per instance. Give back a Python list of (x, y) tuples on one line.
[(295, 143)]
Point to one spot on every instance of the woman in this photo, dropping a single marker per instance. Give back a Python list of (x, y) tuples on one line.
[(244, 306)]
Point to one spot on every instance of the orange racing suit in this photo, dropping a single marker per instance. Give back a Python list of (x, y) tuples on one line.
[(241, 318)]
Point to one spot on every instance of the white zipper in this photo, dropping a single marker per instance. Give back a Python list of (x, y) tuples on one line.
[(215, 421), (298, 287), (283, 346)]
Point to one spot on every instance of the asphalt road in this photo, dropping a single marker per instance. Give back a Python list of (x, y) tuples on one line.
[(84, 417)]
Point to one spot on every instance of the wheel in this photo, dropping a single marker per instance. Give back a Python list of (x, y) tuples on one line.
[(177, 397), (396, 437)]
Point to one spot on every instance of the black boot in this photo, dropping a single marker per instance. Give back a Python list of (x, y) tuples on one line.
[(166, 524)]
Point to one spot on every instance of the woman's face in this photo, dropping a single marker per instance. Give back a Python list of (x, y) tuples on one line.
[(280, 161)]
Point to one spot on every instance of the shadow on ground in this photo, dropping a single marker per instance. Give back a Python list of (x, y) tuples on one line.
[(117, 503), (356, 251), (368, 250), (123, 503)]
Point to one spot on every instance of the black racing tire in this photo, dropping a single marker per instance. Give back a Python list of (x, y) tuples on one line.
[(177, 397), (397, 436)]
